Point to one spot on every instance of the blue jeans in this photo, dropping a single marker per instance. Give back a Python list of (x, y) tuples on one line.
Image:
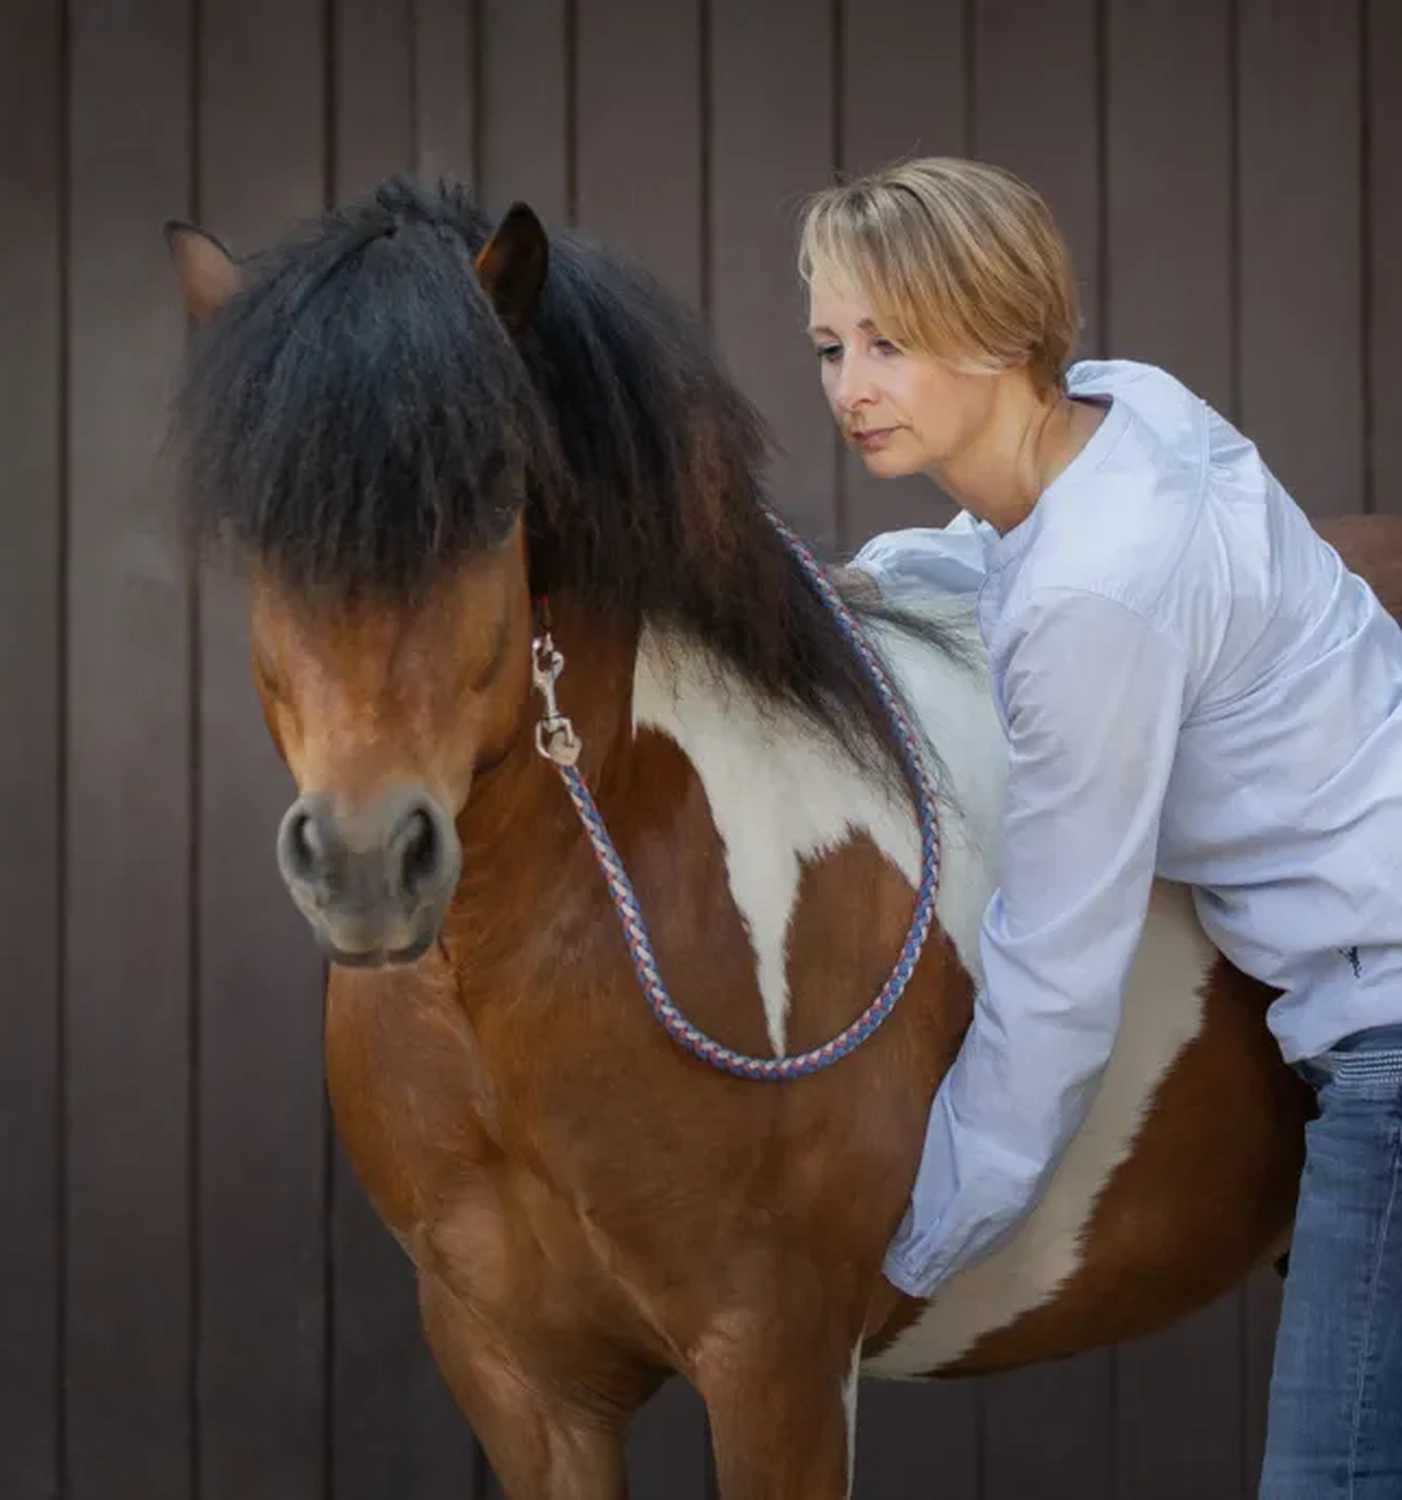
[(1334, 1427)]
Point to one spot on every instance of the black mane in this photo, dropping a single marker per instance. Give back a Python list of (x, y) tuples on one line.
[(358, 419)]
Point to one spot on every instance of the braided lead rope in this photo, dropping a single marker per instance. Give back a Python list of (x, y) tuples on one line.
[(558, 742)]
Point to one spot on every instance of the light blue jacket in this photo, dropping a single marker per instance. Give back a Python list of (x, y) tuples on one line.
[(1192, 684)]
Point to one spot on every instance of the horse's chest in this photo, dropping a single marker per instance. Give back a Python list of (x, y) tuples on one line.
[(413, 1100)]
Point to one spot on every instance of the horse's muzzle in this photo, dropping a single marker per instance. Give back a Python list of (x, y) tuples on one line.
[(373, 883)]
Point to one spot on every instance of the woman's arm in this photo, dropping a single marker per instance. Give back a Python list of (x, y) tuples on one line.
[(1094, 696)]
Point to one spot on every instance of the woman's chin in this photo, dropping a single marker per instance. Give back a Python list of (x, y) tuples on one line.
[(890, 462)]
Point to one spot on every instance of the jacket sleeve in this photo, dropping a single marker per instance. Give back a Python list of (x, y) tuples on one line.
[(914, 561), (1094, 695)]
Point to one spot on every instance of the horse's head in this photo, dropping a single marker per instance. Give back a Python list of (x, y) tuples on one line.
[(374, 475), (409, 432)]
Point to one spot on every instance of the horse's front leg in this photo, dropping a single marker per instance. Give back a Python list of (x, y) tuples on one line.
[(783, 1407), (540, 1445)]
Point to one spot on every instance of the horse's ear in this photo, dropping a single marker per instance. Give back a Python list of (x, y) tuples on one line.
[(511, 266), (209, 275)]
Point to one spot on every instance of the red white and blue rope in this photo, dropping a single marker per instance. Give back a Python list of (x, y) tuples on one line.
[(635, 932)]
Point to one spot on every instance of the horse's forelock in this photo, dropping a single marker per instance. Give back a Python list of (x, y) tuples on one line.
[(359, 419)]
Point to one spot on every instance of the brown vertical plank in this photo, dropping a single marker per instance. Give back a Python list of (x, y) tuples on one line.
[(262, 1132), (525, 148), (1036, 110), (445, 89), (668, 1446), (640, 127), (1168, 255), (373, 93), (1302, 335), (638, 134), (128, 1297), (1301, 313), (1048, 1430), (772, 134), (525, 125), (916, 1440), (1382, 51), (1168, 300), (31, 744), (394, 1429), (896, 102), (913, 1440), (1178, 1407)]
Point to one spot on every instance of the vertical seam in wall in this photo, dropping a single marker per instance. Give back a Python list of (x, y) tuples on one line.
[(970, 77), (1367, 432), (330, 167), (572, 111), (473, 68), (1243, 1388), (63, 394), (1102, 177), (838, 162), (1236, 376), (416, 129), (193, 867), (330, 145), (980, 1394), (1234, 398), (1105, 350), (970, 149), (328, 1293), (706, 268)]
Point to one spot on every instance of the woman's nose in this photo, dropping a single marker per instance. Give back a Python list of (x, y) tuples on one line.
[(853, 388)]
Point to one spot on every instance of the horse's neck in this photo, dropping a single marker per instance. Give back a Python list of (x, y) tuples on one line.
[(527, 867), (779, 793), (782, 794)]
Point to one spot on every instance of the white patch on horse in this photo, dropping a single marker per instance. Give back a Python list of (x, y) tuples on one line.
[(1163, 1013), (781, 793)]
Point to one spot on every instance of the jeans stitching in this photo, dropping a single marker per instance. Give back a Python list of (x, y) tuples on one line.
[(1363, 1068), (1373, 1280)]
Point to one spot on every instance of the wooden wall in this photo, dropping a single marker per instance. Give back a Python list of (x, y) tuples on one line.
[(195, 1303)]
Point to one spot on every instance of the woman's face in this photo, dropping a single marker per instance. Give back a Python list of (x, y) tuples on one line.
[(905, 412)]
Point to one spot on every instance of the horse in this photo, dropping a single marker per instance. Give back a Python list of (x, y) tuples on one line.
[(519, 607)]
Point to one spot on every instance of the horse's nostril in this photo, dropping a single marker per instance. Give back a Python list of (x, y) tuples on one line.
[(420, 850), (379, 862), (301, 847), (307, 842)]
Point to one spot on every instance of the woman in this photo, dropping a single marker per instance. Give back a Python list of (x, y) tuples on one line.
[(1192, 685)]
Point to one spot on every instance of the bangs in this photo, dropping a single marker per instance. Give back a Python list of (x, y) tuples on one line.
[(863, 246), (955, 259)]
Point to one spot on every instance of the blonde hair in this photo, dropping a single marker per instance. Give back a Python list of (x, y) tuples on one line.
[(958, 259)]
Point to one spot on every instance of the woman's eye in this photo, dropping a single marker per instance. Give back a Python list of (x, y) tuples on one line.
[(828, 352), (886, 346)]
